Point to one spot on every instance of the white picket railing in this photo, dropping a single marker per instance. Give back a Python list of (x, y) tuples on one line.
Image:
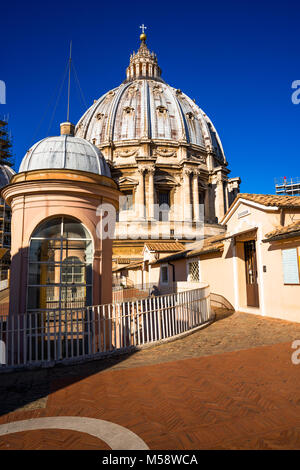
[(65, 336)]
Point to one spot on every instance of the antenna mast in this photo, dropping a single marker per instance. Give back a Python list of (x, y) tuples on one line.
[(70, 60)]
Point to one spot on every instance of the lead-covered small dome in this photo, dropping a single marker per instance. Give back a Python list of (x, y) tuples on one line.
[(6, 174), (65, 152)]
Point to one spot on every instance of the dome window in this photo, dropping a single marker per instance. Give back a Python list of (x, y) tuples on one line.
[(128, 110), (157, 90), (162, 110)]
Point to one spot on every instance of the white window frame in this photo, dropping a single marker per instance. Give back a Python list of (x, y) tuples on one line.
[(296, 267), (161, 277), (60, 284), (188, 276)]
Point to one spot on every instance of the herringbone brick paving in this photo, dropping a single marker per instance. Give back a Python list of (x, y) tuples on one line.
[(247, 398), (53, 439)]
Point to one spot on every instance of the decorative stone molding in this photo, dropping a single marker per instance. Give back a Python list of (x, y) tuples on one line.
[(126, 181), (151, 170), (163, 152), (166, 179), (109, 96), (142, 169), (126, 153), (132, 90), (157, 90), (187, 171), (201, 158)]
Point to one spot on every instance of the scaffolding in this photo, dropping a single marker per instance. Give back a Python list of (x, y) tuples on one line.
[(5, 143), (5, 211), (287, 186)]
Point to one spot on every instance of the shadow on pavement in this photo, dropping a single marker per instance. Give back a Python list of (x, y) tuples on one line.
[(28, 389)]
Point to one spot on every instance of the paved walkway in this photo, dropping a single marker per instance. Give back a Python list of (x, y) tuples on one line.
[(231, 385)]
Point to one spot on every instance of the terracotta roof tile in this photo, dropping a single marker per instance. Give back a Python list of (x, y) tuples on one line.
[(164, 246), (292, 229), (133, 265), (268, 200), (206, 248), (272, 199), (207, 245)]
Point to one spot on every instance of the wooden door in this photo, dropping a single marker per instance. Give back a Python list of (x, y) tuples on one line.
[(251, 274)]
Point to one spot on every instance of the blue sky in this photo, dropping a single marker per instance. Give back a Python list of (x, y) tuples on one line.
[(237, 59)]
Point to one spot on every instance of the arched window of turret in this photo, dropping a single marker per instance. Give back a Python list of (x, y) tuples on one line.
[(60, 266)]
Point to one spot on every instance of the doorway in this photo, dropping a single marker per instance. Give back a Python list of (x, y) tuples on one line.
[(251, 274)]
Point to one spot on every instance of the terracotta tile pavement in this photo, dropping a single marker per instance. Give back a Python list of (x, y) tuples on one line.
[(51, 438), (245, 399)]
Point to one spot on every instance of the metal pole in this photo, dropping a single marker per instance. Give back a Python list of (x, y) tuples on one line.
[(70, 60)]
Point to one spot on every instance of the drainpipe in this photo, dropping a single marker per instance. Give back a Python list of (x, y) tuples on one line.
[(282, 217)]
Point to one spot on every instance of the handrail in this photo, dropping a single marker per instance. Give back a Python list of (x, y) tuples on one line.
[(47, 337)]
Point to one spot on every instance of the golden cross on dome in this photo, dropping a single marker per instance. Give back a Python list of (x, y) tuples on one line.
[(143, 36), (143, 27)]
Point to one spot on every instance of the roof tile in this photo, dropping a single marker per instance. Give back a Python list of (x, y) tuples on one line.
[(289, 229), (268, 200), (164, 246)]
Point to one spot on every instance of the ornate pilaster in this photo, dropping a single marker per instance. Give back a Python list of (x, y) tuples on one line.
[(220, 209), (187, 206), (219, 181), (140, 193), (151, 172), (207, 210), (196, 208)]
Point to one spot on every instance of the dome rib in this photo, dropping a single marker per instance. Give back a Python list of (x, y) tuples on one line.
[(185, 133), (114, 107), (149, 127), (26, 160), (64, 161)]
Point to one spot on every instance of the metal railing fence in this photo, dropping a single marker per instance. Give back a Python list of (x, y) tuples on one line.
[(72, 334)]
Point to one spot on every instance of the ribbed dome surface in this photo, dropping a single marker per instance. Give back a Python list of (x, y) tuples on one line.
[(148, 108), (6, 174), (65, 152)]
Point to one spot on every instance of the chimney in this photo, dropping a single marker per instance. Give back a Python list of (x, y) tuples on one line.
[(67, 128)]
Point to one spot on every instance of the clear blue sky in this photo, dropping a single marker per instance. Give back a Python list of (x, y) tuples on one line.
[(238, 59)]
